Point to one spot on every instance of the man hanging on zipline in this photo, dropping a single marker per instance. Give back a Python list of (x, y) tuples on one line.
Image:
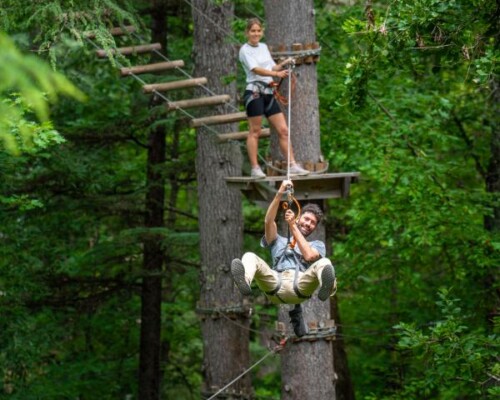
[(299, 266)]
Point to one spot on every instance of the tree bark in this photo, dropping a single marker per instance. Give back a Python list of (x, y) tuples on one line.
[(154, 254), (224, 322), (149, 360), (307, 367), (286, 25)]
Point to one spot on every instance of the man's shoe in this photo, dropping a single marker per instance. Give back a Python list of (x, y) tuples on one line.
[(257, 173), (296, 169), (238, 272), (327, 281), (299, 327)]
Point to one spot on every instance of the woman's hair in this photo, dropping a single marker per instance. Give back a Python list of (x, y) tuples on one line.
[(313, 209), (253, 21)]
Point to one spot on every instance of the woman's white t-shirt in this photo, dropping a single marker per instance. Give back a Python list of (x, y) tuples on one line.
[(256, 56)]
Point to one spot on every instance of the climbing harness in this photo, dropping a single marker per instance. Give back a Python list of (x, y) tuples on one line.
[(258, 89), (288, 251)]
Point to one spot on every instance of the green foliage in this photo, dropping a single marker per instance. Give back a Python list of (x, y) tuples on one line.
[(451, 361), (404, 104), (406, 101), (27, 84)]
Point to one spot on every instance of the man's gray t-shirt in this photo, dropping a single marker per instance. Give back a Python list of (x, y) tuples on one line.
[(278, 248)]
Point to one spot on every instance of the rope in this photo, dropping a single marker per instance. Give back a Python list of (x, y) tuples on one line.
[(273, 351), (289, 119)]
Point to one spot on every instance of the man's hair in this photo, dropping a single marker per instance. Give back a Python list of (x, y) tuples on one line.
[(313, 209)]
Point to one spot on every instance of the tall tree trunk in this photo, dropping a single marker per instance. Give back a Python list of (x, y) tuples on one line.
[(150, 342), (225, 324), (289, 24), (307, 367), (149, 360)]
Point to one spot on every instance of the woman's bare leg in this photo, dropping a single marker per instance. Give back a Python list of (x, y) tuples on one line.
[(279, 124), (255, 129)]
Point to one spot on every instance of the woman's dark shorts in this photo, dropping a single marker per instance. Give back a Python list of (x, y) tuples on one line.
[(261, 104)]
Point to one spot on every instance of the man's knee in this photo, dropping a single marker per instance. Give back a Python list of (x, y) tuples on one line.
[(322, 263), (249, 257)]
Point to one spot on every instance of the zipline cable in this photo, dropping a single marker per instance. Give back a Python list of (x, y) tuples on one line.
[(273, 351)]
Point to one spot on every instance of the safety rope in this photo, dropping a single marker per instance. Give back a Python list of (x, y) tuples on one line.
[(276, 349), (289, 118)]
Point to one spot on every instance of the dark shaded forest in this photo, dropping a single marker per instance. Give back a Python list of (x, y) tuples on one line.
[(99, 187)]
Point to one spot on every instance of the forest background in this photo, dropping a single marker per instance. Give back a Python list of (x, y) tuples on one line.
[(408, 97)]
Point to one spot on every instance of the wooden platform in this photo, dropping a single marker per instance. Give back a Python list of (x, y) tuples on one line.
[(309, 187)]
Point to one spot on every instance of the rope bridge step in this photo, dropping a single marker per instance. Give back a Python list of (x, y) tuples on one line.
[(165, 87), (219, 119), (149, 68), (200, 102), (116, 31), (140, 49), (224, 137)]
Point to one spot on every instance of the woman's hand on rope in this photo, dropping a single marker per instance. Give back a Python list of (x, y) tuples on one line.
[(284, 63), (281, 74)]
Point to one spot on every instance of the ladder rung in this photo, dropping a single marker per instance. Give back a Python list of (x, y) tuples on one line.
[(163, 87), (223, 137), (142, 48), (200, 102), (116, 31), (144, 69), (219, 119)]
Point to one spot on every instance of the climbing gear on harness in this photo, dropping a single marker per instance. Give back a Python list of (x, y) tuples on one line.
[(297, 321), (238, 272), (290, 201)]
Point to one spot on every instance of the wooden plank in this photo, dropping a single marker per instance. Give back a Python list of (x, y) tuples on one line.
[(219, 119), (143, 48), (164, 87), (223, 137), (149, 68), (308, 187), (116, 31), (200, 102), (308, 47)]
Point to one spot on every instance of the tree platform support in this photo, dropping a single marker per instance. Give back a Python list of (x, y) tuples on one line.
[(309, 187)]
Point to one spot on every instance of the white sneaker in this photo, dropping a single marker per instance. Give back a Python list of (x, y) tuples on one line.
[(296, 169), (257, 173)]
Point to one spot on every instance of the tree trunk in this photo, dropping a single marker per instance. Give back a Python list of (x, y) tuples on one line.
[(224, 322), (149, 360), (307, 367), (154, 256), (286, 25)]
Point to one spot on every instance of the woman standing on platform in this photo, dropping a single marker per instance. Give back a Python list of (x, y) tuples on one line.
[(260, 69)]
